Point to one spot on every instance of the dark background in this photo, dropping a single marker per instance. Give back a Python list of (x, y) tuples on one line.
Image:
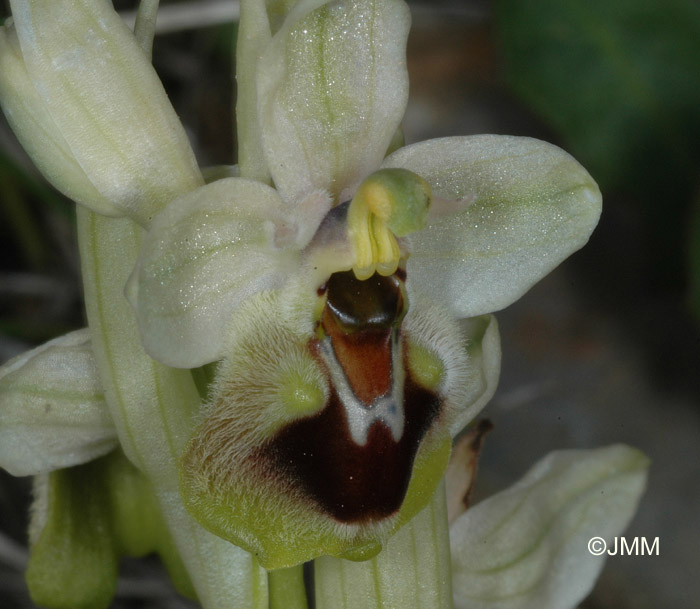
[(606, 349)]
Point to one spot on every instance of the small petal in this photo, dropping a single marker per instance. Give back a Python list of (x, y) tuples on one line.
[(106, 101), (332, 88), (52, 410), (535, 205), (483, 344), (527, 547), (207, 252), (29, 118)]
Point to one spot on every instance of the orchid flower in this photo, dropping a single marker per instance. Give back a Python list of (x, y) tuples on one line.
[(304, 338)]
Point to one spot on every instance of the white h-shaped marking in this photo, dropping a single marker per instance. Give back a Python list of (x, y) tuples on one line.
[(387, 408)]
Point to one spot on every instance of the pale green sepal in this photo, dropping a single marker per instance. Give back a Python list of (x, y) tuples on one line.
[(398, 140), (534, 206), (107, 102), (527, 547), (332, 88), (411, 572), (73, 560), (36, 130), (205, 254), (277, 11), (52, 410)]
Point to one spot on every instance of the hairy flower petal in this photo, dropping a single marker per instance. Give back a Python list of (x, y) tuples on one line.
[(296, 456), (534, 205)]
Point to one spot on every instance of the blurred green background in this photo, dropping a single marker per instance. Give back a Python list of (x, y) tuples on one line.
[(606, 349)]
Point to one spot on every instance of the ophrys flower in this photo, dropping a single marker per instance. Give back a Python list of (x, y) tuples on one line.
[(333, 300)]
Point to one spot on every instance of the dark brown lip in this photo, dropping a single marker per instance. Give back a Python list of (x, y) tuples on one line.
[(354, 484), (353, 480)]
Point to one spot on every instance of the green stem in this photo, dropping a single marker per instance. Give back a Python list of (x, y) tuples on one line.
[(145, 26), (153, 408), (287, 589), (412, 572), (253, 36)]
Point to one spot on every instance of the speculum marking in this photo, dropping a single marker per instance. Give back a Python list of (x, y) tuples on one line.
[(353, 483)]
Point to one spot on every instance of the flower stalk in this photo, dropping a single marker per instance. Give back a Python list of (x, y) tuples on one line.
[(412, 571), (153, 407)]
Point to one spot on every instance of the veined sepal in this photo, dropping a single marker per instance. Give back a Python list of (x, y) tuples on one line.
[(207, 252), (527, 546), (53, 412), (523, 206), (332, 86), (98, 123)]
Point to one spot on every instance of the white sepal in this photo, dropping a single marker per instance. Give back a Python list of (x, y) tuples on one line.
[(52, 410), (31, 122), (207, 252), (527, 547), (107, 102), (332, 88), (532, 205)]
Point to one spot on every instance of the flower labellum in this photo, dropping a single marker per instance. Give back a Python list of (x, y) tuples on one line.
[(329, 423)]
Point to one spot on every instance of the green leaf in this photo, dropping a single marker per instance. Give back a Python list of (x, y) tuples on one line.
[(287, 588), (412, 572), (83, 519), (617, 79), (154, 406), (137, 521)]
